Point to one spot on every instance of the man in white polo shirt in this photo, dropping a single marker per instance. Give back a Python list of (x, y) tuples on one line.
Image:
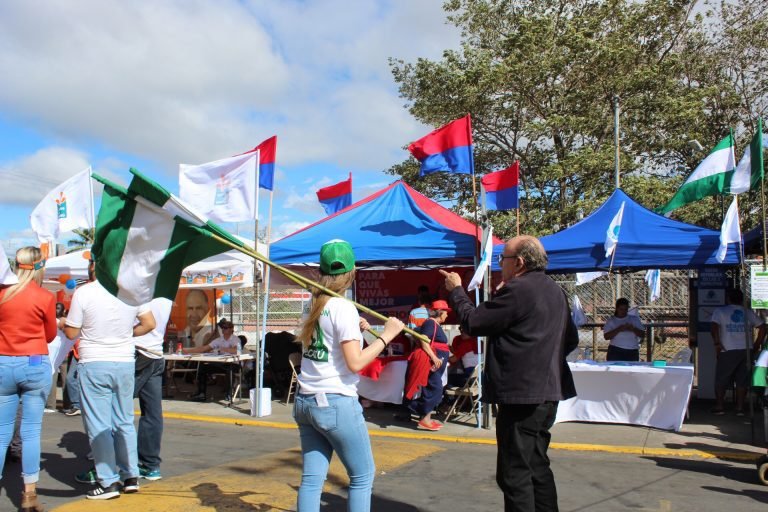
[(106, 327)]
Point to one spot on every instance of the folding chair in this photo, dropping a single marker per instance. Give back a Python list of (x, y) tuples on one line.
[(294, 360), (469, 391), (188, 367)]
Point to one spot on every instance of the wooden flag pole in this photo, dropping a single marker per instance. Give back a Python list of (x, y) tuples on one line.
[(308, 283)]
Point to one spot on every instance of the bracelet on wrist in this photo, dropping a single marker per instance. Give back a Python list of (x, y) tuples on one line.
[(382, 340)]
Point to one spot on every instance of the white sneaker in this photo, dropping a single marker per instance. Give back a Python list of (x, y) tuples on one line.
[(48, 411)]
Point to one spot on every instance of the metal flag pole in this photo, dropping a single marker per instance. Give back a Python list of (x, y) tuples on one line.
[(617, 177)]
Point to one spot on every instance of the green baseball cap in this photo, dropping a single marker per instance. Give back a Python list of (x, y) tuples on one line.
[(336, 257)]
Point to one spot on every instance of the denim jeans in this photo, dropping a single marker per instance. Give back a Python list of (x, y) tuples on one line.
[(19, 379), (339, 427), (73, 385), (148, 388), (107, 398)]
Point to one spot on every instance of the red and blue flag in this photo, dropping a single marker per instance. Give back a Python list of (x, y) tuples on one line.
[(501, 188), (267, 152), (447, 149), (336, 197)]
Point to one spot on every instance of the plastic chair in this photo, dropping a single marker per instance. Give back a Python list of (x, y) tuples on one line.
[(683, 356), (294, 360), (470, 391)]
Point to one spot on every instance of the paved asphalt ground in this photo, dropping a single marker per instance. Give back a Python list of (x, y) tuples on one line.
[(220, 459)]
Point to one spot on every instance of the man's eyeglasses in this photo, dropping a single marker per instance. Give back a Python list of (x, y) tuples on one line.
[(501, 258)]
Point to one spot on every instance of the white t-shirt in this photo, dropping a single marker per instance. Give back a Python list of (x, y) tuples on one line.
[(627, 340), (106, 324), (730, 320), (323, 368), (221, 342), (153, 340)]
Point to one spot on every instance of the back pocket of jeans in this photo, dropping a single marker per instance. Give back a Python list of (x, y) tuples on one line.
[(325, 418), (37, 376)]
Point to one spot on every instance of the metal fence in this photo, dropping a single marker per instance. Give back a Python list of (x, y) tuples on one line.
[(666, 318)]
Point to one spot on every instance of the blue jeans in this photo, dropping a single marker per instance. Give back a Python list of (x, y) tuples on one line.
[(339, 427), (31, 383), (148, 388), (107, 399), (73, 386)]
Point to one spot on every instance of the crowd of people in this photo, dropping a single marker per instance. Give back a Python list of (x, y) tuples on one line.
[(527, 325)]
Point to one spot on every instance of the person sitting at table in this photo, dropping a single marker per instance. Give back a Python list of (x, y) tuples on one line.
[(463, 354), (624, 331), (226, 343)]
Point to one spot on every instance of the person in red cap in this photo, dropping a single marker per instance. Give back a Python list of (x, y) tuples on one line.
[(426, 367)]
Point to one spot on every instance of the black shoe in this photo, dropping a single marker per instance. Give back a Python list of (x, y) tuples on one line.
[(74, 411), (131, 485), (198, 397), (12, 456), (104, 493)]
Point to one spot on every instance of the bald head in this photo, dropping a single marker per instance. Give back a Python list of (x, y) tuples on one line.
[(531, 251)]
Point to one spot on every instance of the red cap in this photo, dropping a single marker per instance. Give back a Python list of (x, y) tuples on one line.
[(440, 305)]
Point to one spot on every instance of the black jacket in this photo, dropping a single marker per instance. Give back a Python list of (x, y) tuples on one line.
[(529, 329)]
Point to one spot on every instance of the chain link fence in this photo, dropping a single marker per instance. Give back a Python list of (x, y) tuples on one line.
[(666, 318)]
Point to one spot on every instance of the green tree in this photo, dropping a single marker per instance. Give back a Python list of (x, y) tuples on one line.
[(84, 239), (539, 79)]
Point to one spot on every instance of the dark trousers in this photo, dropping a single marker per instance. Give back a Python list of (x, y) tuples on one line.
[(207, 369), (622, 354), (522, 465), (148, 388), (432, 393)]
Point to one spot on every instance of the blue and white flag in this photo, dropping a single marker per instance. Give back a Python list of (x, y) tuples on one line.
[(577, 312), (485, 260), (587, 277), (730, 231), (612, 235), (653, 278)]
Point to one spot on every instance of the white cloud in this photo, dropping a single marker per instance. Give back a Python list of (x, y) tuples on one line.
[(193, 80), (27, 179), (286, 228)]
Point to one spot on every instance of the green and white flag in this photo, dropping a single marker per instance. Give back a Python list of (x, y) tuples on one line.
[(711, 177), (749, 172), (760, 372), (145, 237)]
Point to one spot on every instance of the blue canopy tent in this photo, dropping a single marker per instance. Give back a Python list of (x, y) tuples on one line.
[(646, 241), (396, 227)]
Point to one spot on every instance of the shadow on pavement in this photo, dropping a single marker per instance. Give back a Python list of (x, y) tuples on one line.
[(745, 472)]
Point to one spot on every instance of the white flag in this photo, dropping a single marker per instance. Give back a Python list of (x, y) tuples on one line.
[(587, 277), (64, 208), (653, 278), (224, 190), (485, 260), (577, 312), (612, 235), (731, 231), (7, 277)]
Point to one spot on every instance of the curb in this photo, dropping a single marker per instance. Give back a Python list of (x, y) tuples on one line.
[(739, 456)]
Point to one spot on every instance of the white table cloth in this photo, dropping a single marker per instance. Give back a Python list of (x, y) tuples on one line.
[(632, 393), (389, 386)]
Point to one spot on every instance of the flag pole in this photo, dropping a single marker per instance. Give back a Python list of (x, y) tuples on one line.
[(308, 283)]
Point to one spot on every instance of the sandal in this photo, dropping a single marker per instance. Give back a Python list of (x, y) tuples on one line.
[(432, 426)]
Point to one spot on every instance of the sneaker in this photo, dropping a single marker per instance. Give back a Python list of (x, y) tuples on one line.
[(717, 412), (89, 477), (740, 413), (149, 474), (131, 485), (104, 493), (89, 455), (198, 397), (74, 411), (48, 411)]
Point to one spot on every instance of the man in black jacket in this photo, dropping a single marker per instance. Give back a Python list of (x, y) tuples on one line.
[(529, 330)]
